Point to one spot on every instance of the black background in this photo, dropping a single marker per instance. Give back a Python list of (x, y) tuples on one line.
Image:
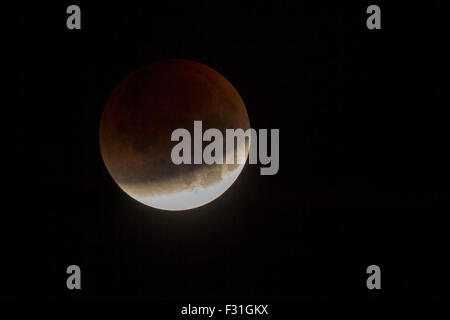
[(364, 158)]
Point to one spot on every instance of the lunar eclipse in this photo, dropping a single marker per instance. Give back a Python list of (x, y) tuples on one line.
[(136, 126)]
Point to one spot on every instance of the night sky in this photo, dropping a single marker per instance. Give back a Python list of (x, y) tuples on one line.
[(364, 140)]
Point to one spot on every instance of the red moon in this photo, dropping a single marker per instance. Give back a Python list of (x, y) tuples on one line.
[(139, 118)]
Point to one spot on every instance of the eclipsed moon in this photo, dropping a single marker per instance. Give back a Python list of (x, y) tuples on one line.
[(139, 118)]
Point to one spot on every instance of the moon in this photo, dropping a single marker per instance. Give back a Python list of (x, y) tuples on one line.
[(136, 126)]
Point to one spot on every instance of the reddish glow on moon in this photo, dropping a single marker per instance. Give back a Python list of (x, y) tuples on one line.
[(136, 126)]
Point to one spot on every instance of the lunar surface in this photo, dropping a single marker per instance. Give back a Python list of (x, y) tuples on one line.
[(139, 118)]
